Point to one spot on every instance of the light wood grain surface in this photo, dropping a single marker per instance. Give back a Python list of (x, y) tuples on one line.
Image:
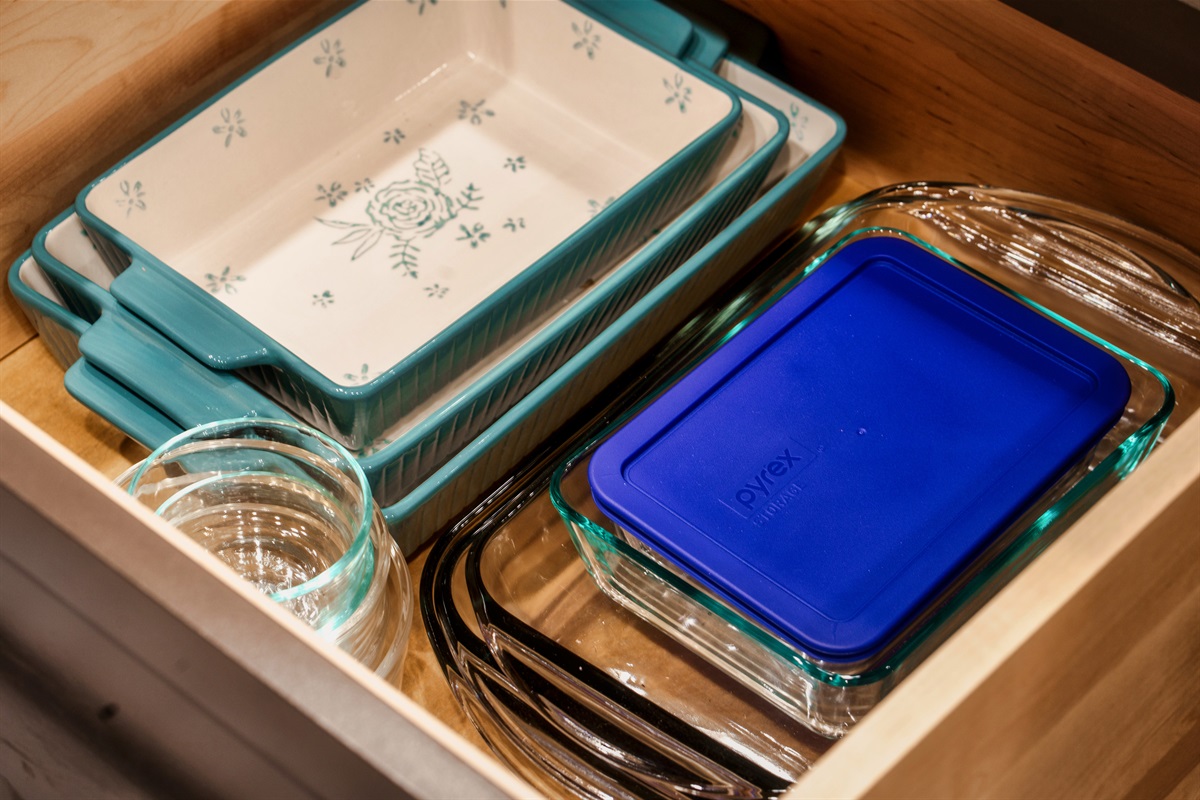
[(1076, 681), (978, 92), (930, 90)]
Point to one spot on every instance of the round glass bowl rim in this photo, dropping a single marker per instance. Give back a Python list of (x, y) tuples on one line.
[(361, 542)]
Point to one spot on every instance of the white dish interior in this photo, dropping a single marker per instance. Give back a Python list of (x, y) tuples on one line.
[(32, 276)]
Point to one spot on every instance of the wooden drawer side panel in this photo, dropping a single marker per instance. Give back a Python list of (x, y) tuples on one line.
[(1075, 681)]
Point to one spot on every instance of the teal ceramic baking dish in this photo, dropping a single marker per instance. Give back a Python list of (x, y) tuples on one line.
[(522, 148), (44, 307)]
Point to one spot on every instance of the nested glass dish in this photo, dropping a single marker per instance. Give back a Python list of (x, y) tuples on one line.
[(576, 694), (527, 597), (1064, 265)]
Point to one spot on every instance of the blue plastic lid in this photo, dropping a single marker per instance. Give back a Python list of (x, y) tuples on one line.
[(840, 459)]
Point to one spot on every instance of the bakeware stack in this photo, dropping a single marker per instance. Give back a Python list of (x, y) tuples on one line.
[(596, 665), (165, 345)]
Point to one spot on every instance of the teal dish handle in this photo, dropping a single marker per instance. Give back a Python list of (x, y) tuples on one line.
[(655, 24), (647, 21), (210, 332), (708, 47), (123, 408), (169, 379)]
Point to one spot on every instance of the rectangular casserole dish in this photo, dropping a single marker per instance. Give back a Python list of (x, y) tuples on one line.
[(422, 184)]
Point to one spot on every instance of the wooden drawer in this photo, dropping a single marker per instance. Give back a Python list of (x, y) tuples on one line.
[(1077, 680)]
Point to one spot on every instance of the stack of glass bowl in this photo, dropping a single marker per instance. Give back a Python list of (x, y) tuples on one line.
[(289, 510)]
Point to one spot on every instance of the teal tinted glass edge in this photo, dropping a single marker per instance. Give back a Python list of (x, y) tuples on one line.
[(1114, 467), (362, 536)]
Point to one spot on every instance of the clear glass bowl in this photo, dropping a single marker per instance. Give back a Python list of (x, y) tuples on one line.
[(1067, 266), (290, 511)]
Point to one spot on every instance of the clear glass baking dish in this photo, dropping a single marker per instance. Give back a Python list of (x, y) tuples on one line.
[(1067, 262), (521, 601), (578, 695)]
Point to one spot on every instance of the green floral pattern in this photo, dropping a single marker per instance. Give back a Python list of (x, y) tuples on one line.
[(331, 56), (332, 195), (132, 197), (586, 41), (408, 210), (364, 375), (475, 112), (680, 94), (223, 281), (596, 206), (231, 125), (798, 121), (475, 234)]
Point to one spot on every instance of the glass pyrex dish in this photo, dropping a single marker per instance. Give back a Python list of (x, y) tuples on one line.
[(425, 207), (496, 701), (852, 446), (998, 231)]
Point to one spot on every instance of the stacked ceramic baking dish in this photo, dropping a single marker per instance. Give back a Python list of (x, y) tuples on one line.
[(159, 340)]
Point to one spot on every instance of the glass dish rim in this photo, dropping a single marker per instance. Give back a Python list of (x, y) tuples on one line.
[(361, 545), (455, 644)]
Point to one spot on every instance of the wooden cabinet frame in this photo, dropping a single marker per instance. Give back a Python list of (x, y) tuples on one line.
[(1077, 680)]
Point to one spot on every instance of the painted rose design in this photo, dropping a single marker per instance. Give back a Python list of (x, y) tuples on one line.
[(407, 210)]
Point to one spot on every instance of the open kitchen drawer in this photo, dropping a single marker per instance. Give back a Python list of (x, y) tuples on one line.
[(1077, 680)]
